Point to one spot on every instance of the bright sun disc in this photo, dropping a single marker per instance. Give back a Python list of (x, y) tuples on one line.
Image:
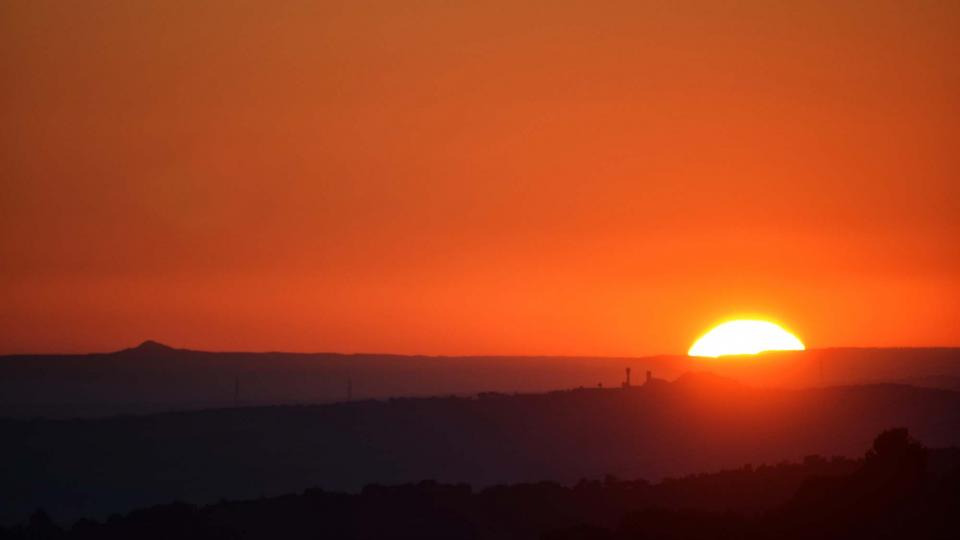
[(745, 337)]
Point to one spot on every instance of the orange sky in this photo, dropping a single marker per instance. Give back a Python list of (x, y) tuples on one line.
[(442, 177)]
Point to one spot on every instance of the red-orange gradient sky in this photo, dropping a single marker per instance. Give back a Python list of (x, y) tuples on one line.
[(477, 177)]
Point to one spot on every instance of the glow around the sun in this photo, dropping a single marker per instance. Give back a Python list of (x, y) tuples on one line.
[(745, 337)]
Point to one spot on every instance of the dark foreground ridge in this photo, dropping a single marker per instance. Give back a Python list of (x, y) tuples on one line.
[(97, 467), (899, 489)]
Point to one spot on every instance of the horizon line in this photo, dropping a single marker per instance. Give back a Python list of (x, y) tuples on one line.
[(156, 345)]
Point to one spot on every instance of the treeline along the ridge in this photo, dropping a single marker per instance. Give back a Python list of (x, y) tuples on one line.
[(899, 489)]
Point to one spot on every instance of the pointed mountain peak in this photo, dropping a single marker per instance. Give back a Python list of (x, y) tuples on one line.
[(149, 347)]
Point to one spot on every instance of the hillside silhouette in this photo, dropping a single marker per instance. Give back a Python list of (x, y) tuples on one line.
[(899, 489), (154, 377), (699, 422)]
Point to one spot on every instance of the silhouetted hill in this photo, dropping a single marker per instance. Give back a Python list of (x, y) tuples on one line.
[(148, 348), (699, 423), (898, 490), (154, 377)]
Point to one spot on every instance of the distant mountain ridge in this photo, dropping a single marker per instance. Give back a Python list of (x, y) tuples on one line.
[(154, 377)]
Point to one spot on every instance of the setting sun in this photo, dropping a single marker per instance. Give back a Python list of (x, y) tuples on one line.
[(745, 337)]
